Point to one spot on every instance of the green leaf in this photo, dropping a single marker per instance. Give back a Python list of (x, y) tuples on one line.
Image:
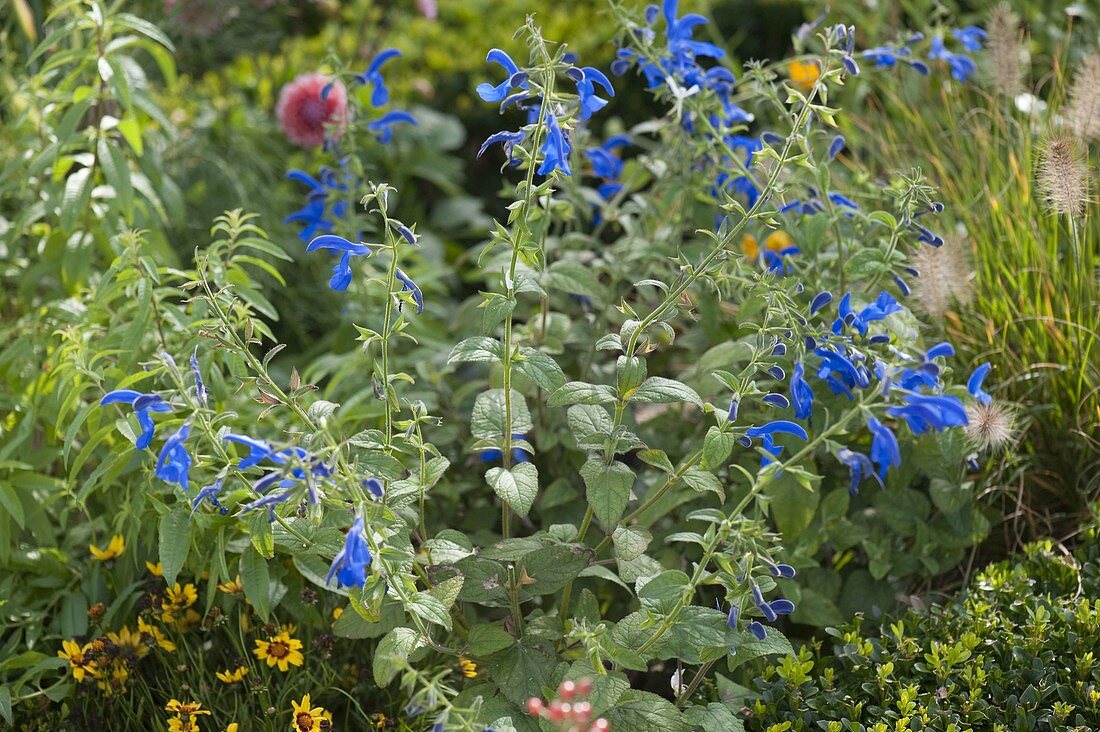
[(714, 716), (949, 496), (640, 711), (587, 420), (486, 639), (518, 485), (630, 542), (131, 132), (9, 499), (575, 279), (540, 368), (261, 534), (487, 418), (256, 581), (629, 374), (747, 647), (607, 488), (476, 349), (717, 446), (792, 506), (5, 705), (524, 670), (658, 390), (546, 571), (578, 392), (430, 608), (392, 652), (702, 480), (78, 190), (175, 541)]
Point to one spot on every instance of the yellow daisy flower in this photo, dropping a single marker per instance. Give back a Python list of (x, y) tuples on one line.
[(233, 587), (179, 724), (232, 727), (81, 666), (115, 547), (156, 634), (185, 709), (232, 676), (467, 667), (157, 570), (804, 75), (280, 650), (128, 640), (179, 598), (308, 718), (337, 612)]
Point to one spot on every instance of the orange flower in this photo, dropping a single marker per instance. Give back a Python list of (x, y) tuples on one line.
[(804, 74)]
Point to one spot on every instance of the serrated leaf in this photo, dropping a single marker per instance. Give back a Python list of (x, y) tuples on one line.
[(578, 392), (476, 349), (607, 488), (392, 652), (487, 418), (430, 608), (659, 390), (640, 711), (486, 639), (630, 542), (517, 485), (540, 368)]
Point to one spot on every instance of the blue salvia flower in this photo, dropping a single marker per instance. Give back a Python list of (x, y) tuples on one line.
[(974, 383), (519, 455), (606, 164), (350, 564), (836, 146), (859, 467), (258, 450), (142, 405), (802, 396), (757, 628), (776, 400), (924, 412), (783, 570), (200, 387), (407, 285), (174, 462), (884, 447), (735, 403), (734, 614), (944, 350), (516, 79), (316, 216), (820, 300), (341, 273), (383, 126), (209, 493), (962, 66), (970, 37), (373, 77), (555, 149), (375, 488), (270, 500), (586, 90), (767, 434), (508, 140)]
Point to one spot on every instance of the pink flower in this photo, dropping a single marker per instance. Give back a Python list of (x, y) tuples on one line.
[(303, 114)]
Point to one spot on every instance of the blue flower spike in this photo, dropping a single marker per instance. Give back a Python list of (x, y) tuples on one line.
[(341, 273), (515, 79), (350, 564), (555, 149), (974, 383), (174, 462), (142, 405), (372, 77)]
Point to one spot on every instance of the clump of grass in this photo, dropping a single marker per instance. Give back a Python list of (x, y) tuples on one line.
[(1021, 195)]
